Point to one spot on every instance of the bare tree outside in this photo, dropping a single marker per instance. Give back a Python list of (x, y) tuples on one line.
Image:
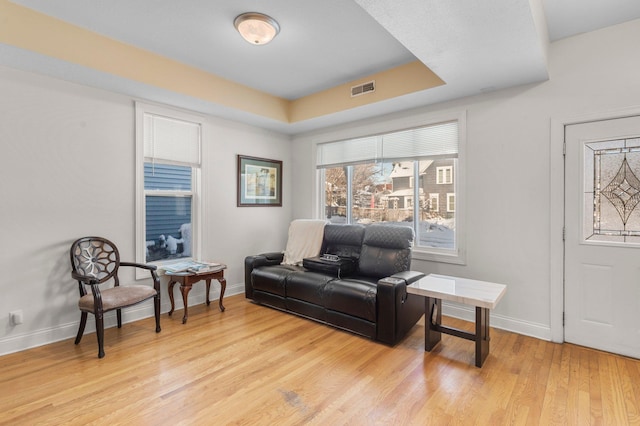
[(335, 191), (368, 184)]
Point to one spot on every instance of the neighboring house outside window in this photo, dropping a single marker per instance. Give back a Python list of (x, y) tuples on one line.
[(361, 186), (168, 184), (440, 168)]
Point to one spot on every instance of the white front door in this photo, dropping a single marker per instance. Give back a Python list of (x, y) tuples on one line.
[(602, 235)]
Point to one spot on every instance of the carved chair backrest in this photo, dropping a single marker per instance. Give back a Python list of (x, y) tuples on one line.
[(95, 257)]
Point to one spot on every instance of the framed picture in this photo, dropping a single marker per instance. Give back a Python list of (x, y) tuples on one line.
[(259, 182)]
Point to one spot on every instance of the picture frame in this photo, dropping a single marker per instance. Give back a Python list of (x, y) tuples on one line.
[(259, 182)]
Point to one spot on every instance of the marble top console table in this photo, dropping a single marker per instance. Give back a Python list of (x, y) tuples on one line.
[(481, 294)]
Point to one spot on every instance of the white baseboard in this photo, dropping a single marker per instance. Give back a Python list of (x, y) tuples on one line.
[(526, 328), (42, 337)]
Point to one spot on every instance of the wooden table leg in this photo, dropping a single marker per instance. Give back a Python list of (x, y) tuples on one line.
[(185, 288), (171, 284), (432, 316), (482, 335), (223, 287), (186, 282)]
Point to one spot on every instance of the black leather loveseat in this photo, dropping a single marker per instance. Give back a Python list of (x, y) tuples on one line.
[(371, 300)]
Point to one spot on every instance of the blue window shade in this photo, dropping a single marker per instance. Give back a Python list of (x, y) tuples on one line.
[(167, 177)]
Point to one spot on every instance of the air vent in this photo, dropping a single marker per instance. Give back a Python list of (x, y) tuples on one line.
[(361, 89)]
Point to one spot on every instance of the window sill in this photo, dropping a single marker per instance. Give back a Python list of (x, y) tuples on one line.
[(420, 253)]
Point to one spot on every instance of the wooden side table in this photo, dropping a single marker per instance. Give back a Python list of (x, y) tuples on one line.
[(188, 279)]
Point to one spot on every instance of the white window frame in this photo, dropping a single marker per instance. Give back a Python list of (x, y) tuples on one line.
[(451, 195), (446, 177), (407, 121), (434, 196), (196, 186)]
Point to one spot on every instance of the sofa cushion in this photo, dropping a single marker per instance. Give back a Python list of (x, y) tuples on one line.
[(351, 296), (307, 286), (386, 249), (271, 279)]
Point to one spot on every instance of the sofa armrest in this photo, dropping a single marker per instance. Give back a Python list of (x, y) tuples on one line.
[(271, 258), (409, 276), (397, 311), (255, 261)]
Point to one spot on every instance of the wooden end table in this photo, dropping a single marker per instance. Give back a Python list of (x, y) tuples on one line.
[(481, 294), (188, 279)]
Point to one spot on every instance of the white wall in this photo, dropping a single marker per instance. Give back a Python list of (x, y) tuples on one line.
[(508, 166), (67, 164)]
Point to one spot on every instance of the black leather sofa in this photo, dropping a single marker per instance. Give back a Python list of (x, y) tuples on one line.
[(371, 300)]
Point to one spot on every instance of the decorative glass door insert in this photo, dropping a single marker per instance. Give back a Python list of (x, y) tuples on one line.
[(612, 192)]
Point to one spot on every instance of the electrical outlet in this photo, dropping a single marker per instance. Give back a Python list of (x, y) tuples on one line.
[(16, 317)]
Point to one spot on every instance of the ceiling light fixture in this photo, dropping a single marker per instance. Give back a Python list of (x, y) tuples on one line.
[(256, 28)]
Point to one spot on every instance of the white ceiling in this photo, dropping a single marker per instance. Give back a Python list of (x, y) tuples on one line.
[(473, 46)]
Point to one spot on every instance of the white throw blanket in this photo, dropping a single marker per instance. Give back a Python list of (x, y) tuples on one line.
[(305, 240)]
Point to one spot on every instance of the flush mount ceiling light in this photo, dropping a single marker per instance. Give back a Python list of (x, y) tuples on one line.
[(256, 28)]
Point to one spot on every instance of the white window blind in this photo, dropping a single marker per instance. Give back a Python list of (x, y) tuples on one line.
[(349, 151), (171, 140), (440, 140), (435, 141)]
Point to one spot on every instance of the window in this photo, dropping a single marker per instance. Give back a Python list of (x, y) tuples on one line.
[(168, 193), (444, 175), (168, 184), (397, 178), (451, 203), (434, 203)]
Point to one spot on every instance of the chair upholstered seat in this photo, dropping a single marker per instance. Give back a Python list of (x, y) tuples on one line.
[(117, 297)]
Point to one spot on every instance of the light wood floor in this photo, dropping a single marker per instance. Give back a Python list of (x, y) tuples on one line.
[(254, 365)]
